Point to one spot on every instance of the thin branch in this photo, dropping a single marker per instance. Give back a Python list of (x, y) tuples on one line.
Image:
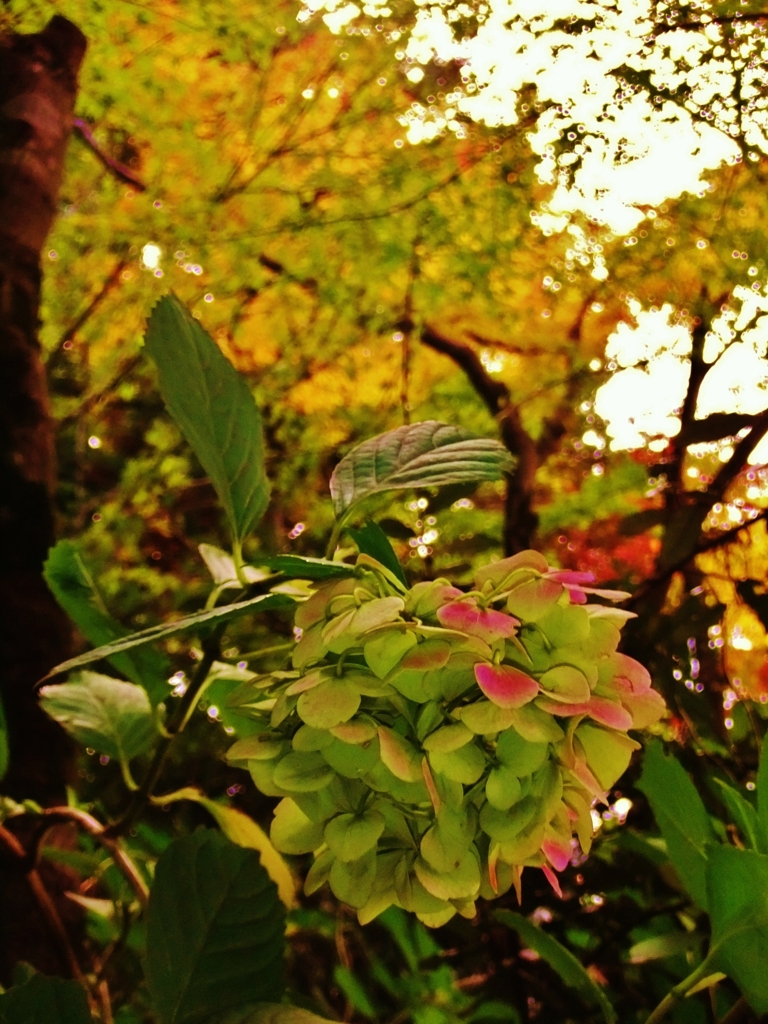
[(211, 650), (121, 859), (119, 170), (45, 903), (708, 544), (91, 308)]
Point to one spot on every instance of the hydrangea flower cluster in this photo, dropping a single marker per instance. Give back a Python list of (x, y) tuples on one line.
[(428, 744)]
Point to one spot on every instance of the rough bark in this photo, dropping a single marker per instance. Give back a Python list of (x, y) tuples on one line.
[(38, 83)]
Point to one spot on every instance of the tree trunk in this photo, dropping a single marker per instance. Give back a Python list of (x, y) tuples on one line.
[(38, 83)]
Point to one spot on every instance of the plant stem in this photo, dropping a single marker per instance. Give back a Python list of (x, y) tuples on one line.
[(173, 728), (46, 905), (334, 538), (680, 990), (121, 859)]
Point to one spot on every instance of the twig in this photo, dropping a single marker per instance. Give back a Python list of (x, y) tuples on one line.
[(119, 170), (72, 330), (143, 794), (121, 859), (46, 905), (740, 1013)]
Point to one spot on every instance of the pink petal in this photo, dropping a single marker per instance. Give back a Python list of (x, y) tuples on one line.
[(505, 686), (553, 880), (609, 595), (608, 712), (570, 576), (637, 674), (557, 852), (487, 624), (576, 595)]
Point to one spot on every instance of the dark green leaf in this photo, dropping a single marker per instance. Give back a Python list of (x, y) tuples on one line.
[(559, 959), (72, 586), (371, 540), (215, 410), (107, 714), (737, 883), (742, 813), (268, 1013), (428, 454), (214, 931), (262, 603), (681, 816), (297, 567), (762, 796), (43, 1000)]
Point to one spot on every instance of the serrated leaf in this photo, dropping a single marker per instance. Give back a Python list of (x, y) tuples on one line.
[(349, 836), (107, 714), (243, 831), (681, 816), (215, 931), (762, 795), (428, 454), (44, 1000), (737, 888), (742, 813), (262, 603), (560, 960), (70, 583), (299, 567), (213, 405)]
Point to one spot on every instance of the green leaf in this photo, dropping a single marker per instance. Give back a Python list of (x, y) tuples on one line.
[(464, 765), (328, 704), (518, 754), (446, 842), (428, 454), (742, 813), (681, 816), (349, 836), (298, 772), (737, 884), (762, 796), (243, 831), (371, 540), (215, 931), (70, 583), (214, 407), (352, 881), (268, 1013), (262, 603), (298, 567), (559, 959), (43, 1000), (292, 831), (462, 882), (107, 714)]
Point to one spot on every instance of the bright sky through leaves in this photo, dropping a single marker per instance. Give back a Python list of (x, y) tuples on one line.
[(634, 104)]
